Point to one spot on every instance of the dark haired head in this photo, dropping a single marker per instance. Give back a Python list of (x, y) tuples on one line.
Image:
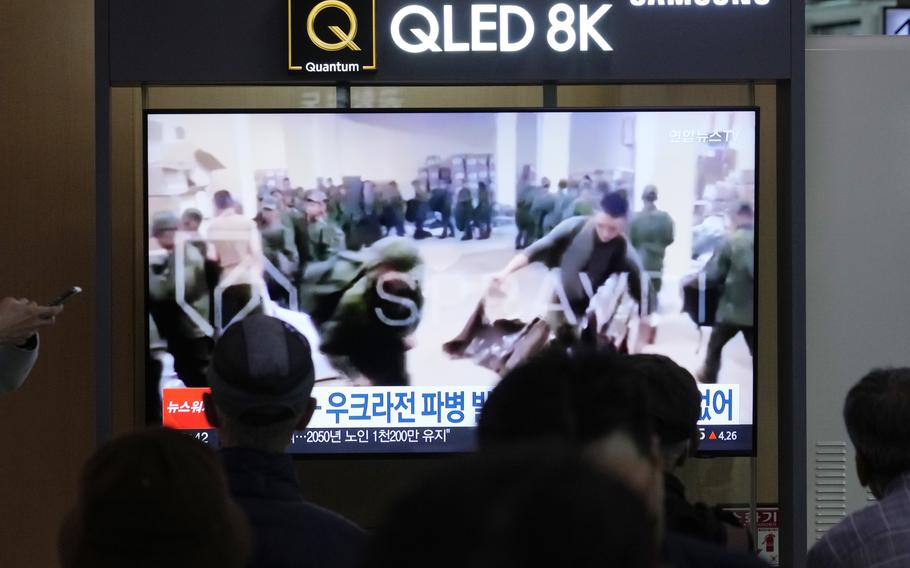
[(573, 397), (649, 194), (615, 204), (192, 214), (154, 498), (163, 222), (675, 403), (517, 509), (223, 199), (876, 414), (745, 209)]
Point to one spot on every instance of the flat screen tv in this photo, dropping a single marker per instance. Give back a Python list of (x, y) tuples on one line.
[(895, 21), (386, 237)]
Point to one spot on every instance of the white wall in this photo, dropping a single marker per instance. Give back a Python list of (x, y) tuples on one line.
[(553, 139), (267, 142), (527, 140), (506, 165), (857, 230), (596, 142), (227, 138), (381, 146)]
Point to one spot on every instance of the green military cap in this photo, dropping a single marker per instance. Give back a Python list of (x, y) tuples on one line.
[(315, 195), (398, 252), (164, 221), (650, 193), (268, 204), (192, 213)]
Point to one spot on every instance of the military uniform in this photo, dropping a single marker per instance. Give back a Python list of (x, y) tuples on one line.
[(363, 330), (523, 218), (418, 210), (292, 218), (464, 213), (335, 204), (543, 204), (566, 205), (441, 202), (391, 214), (483, 213), (585, 204), (651, 232), (733, 265), (186, 342), (553, 216), (280, 250), (323, 240)]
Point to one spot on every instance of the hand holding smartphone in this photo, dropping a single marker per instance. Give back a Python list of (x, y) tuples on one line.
[(65, 295)]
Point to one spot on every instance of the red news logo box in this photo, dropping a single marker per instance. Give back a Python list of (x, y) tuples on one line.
[(183, 409)]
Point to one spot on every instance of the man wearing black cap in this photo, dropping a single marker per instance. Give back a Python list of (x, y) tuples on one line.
[(587, 250), (675, 406), (261, 378)]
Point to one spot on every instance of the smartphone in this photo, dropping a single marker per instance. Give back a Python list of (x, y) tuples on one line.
[(69, 293)]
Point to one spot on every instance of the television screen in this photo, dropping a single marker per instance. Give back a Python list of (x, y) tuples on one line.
[(895, 21), (424, 254)]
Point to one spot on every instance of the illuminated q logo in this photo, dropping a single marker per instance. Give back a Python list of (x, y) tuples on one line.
[(346, 40)]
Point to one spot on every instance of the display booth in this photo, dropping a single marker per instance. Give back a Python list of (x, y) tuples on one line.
[(394, 179)]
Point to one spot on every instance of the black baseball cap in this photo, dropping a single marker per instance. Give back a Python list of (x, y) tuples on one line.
[(675, 400), (261, 371)]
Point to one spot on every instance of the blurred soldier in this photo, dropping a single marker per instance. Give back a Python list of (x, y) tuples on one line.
[(335, 197), (483, 213), (543, 204), (279, 249), (288, 197), (419, 209), (238, 249), (733, 266), (190, 221), (290, 215), (323, 239), (278, 196), (567, 203), (651, 232), (367, 230), (367, 305), (464, 213), (351, 210), (588, 198), (600, 183), (554, 216), (186, 342), (441, 202), (524, 220), (391, 213)]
